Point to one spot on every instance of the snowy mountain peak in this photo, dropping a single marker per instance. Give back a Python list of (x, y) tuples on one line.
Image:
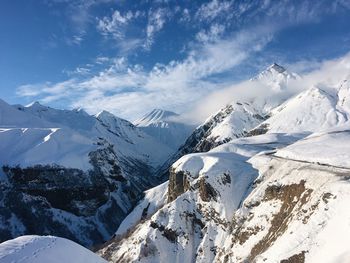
[(34, 104), (104, 115), (80, 111), (34, 107), (156, 115), (113, 122), (277, 68), (275, 72), (160, 125), (276, 77)]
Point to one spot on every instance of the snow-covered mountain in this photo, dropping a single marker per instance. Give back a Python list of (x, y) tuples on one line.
[(315, 109), (278, 195), (265, 179), (247, 201), (239, 117), (165, 127), (78, 174)]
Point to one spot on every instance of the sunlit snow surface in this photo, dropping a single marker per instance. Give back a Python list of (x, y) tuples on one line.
[(45, 249), (42, 135)]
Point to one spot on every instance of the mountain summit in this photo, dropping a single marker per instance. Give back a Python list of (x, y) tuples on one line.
[(161, 125), (277, 68), (155, 116)]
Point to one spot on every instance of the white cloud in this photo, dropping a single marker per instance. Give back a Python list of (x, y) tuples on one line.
[(326, 74), (130, 90), (156, 21), (117, 23), (213, 34), (213, 9)]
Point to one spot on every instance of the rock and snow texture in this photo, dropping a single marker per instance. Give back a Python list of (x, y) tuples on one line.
[(153, 200), (43, 249), (246, 201), (279, 195), (296, 213), (80, 175), (276, 197), (204, 191), (164, 127), (242, 115)]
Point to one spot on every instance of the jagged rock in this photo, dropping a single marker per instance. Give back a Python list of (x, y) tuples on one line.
[(178, 184)]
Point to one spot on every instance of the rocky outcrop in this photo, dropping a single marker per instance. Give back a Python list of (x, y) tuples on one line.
[(206, 191), (84, 206), (178, 184)]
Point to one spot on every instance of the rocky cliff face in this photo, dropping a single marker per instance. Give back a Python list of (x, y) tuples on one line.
[(203, 192), (70, 174), (84, 206), (231, 122), (249, 201)]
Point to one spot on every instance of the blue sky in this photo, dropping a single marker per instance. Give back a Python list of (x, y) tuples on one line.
[(129, 57)]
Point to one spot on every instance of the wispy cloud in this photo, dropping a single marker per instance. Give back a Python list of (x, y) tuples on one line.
[(129, 89), (175, 85), (156, 21), (326, 74), (116, 24), (213, 9)]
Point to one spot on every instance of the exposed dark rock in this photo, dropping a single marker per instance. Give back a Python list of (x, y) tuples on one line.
[(178, 184), (297, 258), (291, 196), (168, 233), (71, 203), (261, 129), (206, 191)]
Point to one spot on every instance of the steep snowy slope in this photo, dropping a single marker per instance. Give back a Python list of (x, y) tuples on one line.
[(203, 193), (311, 149), (276, 197), (131, 141), (78, 174), (222, 208), (43, 249), (276, 77), (315, 109), (11, 117), (240, 116), (162, 125), (297, 213)]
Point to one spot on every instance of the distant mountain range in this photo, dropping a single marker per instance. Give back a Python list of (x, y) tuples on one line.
[(264, 179)]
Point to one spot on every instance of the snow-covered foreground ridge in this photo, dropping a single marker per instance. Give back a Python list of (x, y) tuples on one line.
[(44, 249), (249, 200)]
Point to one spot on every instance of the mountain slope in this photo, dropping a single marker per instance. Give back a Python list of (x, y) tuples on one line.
[(240, 116), (162, 125), (315, 109), (276, 197), (224, 207), (78, 174), (203, 193)]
